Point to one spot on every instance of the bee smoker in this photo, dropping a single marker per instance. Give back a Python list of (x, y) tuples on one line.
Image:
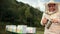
[(48, 24)]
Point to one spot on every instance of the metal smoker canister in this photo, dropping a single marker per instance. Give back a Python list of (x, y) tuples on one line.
[(48, 24)]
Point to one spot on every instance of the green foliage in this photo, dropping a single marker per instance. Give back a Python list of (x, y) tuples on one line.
[(19, 13)]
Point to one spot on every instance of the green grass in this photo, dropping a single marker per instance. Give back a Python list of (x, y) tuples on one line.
[(39, 30)]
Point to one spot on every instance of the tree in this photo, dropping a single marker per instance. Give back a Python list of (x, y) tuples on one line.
[(19, 13)]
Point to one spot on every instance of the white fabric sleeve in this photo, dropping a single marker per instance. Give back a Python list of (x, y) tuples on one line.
[(43, 16), (58, 19)]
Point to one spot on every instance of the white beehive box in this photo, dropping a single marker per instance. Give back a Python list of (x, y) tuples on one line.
[(21, 28), (11, 28), (31, 30)]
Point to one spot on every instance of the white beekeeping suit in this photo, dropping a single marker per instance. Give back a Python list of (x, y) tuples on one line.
[(54, 28)]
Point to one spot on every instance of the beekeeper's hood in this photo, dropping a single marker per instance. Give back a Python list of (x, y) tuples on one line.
[(47, 8)]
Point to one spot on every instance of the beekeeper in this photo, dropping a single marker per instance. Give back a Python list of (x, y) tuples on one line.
[(51, 18)]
